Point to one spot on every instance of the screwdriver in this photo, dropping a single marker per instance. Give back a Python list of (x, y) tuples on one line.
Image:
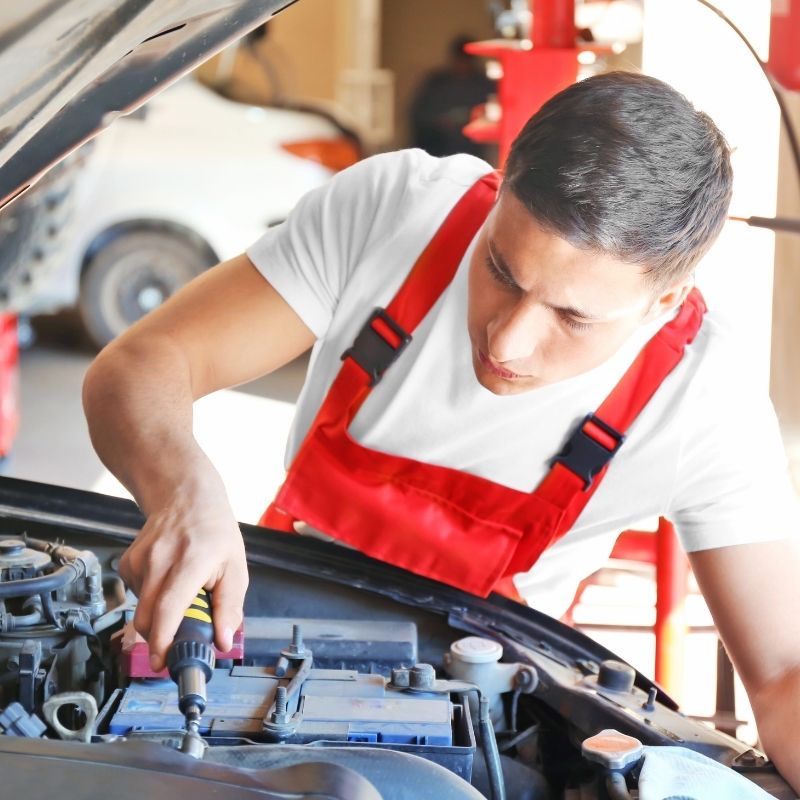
[(190, 661)]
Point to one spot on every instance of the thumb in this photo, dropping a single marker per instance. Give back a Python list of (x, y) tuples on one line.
[(227, 599)]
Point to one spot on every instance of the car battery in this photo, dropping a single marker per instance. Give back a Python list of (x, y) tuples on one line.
[(356, 710), (238, 702), (334, 707), (345, 706)]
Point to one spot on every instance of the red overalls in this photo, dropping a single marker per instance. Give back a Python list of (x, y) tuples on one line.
[(451, 526)]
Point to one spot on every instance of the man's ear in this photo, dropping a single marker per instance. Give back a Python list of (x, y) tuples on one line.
[(668, 299)]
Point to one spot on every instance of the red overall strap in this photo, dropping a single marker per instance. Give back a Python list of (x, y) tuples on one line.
[(565, 489), (436, 521), (424, 284), (431, 274)]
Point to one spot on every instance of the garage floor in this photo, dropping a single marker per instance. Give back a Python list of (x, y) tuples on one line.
[(244, 431)]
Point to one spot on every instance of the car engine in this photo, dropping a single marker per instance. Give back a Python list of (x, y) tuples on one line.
[(357, 701)]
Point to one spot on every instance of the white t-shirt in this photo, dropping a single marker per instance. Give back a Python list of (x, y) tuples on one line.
[(706, 452)]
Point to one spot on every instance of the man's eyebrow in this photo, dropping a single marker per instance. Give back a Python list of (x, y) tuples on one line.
[(502, 266)]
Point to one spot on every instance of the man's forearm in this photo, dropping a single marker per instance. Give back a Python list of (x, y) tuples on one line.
[(777, 710), (138, 402)]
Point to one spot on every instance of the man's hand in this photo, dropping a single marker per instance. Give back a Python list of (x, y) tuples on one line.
[(192, 542)]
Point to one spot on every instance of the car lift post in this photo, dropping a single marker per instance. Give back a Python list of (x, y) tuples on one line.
[(533, 71)]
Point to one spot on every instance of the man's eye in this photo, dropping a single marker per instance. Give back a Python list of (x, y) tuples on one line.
[(571, 322), (500, 276)]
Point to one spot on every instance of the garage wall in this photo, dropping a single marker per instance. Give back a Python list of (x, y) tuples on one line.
[(304, 38), (785, 379), (414, 39), (299, 57)]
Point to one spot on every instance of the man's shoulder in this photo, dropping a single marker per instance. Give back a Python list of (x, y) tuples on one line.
[(414, 168), (719, 363)]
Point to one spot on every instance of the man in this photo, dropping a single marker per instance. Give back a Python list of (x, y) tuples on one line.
[(572, 294), (443, 103)]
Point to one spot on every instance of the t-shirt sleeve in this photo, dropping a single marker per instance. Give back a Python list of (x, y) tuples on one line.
[(309, 258), (733, 484)]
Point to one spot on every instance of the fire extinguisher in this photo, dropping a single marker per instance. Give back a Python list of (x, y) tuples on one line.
[(784, 43)]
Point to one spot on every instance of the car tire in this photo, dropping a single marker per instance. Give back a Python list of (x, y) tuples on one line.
[(133, 274)]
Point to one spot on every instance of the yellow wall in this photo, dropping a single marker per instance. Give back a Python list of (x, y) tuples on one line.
[(306, 46)]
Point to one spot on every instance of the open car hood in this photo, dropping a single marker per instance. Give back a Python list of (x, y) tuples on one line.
[(68, 68)]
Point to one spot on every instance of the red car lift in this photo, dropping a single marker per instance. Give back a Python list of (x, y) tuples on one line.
[(532, 71)]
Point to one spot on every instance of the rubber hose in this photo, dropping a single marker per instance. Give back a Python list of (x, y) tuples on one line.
[(26, 620), (494, 769), (24, 587)]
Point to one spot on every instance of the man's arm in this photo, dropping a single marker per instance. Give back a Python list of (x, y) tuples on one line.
[(225, 328), (753, 592)]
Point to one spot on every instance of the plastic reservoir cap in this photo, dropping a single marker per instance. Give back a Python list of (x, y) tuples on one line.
[(476, 650), (612, 749)]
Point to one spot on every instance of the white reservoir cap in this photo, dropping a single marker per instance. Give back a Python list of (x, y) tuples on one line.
[(612, 749), (476, 650)]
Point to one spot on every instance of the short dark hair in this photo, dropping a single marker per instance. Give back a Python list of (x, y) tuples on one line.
[(622, 163)]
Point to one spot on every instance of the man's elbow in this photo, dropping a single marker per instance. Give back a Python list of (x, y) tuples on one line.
[(123, 364)]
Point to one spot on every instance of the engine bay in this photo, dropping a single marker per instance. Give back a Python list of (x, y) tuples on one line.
[(340, 683)]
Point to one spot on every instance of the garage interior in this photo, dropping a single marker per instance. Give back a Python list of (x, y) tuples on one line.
[(361, 62)]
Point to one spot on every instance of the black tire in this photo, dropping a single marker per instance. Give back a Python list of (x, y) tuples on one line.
[(134, 273)]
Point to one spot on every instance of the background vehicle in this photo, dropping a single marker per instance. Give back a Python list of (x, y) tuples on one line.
[(189, 179)]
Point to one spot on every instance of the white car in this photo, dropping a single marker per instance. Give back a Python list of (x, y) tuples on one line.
[(186, 181)]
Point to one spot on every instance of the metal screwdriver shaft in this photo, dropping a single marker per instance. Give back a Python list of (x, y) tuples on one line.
[(190, 661)]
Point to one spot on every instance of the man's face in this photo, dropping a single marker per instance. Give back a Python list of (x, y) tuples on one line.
[(541, 310)]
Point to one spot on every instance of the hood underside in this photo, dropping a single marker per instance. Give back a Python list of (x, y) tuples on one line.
[(68, 68)]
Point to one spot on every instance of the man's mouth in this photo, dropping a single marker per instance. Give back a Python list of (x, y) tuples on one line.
[(496, 369)]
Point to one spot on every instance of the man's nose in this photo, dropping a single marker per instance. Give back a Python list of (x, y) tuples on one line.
[(515, 333)]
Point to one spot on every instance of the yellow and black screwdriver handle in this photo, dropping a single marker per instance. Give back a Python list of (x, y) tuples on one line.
[(193, 646)]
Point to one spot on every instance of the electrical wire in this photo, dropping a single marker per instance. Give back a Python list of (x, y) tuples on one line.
[(791, 133)]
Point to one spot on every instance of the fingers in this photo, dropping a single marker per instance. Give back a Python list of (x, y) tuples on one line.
[(128, 570), (165, 582), (228, 601), (174, 596)]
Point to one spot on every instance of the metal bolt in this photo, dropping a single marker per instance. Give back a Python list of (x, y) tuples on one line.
[(297, 646), (400, 678), (279, 714), (650, 703), (422, 676), (526, 680)]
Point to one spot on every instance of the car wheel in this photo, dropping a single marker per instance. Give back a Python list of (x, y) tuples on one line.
[(133, 274)]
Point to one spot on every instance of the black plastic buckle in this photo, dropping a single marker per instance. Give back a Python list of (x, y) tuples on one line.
[(584, 455), (372, 352)]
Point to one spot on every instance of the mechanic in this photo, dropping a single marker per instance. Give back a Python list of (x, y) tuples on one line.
[(573, 293)]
